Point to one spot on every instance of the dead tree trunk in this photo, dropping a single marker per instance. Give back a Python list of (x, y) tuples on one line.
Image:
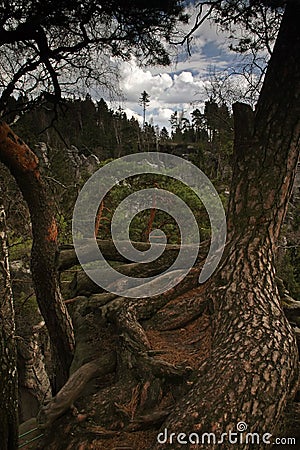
[(23, 165), (8, 354), (252, 371)]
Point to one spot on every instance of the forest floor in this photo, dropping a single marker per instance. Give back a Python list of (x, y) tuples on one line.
[(82, 427)]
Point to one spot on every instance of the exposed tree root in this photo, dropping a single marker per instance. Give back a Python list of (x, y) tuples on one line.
[(148, 421), (73, 388), (156, 366)]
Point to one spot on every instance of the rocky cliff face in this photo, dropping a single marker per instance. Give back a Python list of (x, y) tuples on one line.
[(34, 385), (32, 344), (66, 162)]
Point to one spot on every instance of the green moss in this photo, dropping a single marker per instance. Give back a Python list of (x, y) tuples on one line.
[(19, 249), (288, 269)]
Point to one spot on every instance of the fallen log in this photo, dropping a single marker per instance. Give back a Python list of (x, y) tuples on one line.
[(83, 285), (67, 257)]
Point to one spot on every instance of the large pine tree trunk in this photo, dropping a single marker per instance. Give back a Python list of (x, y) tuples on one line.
[(8, 354), (23, 165), (252, 371)]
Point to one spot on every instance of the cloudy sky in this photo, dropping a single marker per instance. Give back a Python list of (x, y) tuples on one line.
[(180, 86)]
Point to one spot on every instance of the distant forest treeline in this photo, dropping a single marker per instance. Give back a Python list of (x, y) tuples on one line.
[(93, 127)]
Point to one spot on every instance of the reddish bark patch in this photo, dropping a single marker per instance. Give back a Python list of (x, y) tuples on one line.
[(16, 153), (52, 231)]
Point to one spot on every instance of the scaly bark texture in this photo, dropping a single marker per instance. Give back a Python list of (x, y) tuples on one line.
[(8, 355), (23, 165), (252, 371)]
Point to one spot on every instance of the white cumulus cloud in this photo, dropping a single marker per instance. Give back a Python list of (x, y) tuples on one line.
[(180, 86)]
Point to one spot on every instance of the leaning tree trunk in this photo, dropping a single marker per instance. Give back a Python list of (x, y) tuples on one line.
[(23, 165), (252, 371), (8, 353)]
